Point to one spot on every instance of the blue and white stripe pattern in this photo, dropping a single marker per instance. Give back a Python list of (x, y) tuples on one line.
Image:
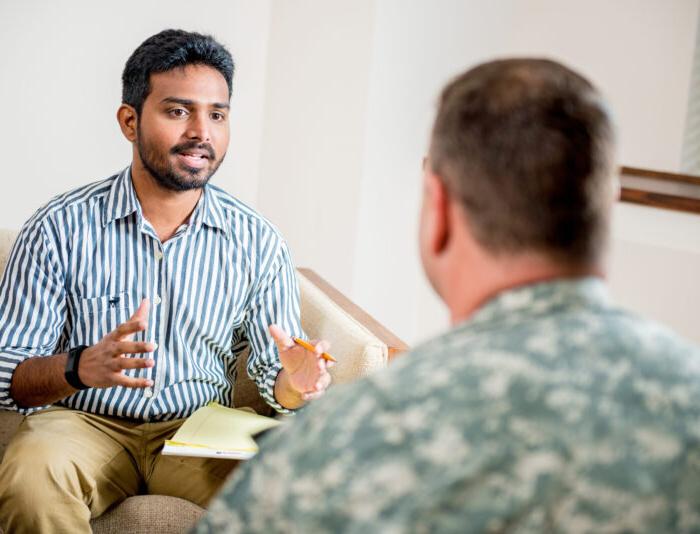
[(83, 263)]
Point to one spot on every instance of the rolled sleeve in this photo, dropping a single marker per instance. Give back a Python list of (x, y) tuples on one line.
[(275, 301), (32, 306)]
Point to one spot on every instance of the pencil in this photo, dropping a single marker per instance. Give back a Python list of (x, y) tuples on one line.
[(309, 346)]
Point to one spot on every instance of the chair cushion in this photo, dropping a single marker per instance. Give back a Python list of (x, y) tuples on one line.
[(145, 514)]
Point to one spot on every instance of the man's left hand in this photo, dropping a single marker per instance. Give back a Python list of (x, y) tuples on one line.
[(307, 372)]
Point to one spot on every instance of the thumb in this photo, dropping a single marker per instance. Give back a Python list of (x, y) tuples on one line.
[(282, 339)]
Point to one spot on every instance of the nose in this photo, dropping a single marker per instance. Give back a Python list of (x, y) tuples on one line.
[(198, 127)]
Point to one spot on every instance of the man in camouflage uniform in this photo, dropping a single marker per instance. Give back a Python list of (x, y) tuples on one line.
[(545, 408)]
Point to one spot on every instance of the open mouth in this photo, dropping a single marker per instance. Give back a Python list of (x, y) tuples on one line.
[(193, 159)]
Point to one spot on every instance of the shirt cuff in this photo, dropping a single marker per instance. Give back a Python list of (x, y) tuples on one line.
[(266, 386)]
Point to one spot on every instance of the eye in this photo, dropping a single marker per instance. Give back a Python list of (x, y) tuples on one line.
[(177, 112), (218, 116)]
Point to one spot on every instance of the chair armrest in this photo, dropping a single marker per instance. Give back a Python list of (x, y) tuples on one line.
[(394, 345)]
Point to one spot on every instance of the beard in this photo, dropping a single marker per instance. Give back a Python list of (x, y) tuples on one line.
[(181, 178)]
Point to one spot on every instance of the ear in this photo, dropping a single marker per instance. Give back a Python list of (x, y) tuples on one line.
[(128, 121), (438, 211)]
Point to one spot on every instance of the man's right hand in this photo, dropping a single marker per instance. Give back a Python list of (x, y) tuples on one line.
[(102, 365)]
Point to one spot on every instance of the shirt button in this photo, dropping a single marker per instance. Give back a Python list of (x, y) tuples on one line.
[(158, 255), (156, 300), (148, 392)]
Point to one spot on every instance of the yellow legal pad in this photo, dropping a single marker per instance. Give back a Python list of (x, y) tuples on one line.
[(219, 432)]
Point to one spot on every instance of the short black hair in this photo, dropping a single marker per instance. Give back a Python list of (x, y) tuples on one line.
[(167, 50), (527, 147)]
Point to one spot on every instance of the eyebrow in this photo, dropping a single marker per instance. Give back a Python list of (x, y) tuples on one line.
[(188, 102)]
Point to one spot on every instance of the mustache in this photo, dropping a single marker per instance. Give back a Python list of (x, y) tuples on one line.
[(184, 147)]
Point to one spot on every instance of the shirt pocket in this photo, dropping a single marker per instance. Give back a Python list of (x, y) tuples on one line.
[(98, 316)]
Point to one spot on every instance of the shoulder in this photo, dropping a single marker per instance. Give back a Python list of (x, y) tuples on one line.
[(72, 202), (252, 235), (75, 198), (240, 217), (571, 337), (649, 348)]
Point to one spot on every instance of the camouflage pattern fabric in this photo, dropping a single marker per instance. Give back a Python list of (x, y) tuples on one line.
[(550, 410)]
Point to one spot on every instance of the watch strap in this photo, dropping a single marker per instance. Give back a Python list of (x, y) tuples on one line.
[(72, 363)]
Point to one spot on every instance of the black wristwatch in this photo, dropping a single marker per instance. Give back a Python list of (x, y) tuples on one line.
[(72, 363)]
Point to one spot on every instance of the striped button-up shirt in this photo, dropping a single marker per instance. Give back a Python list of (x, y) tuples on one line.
[(83, 263)]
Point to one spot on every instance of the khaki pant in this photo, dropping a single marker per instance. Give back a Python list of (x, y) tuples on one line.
[(65, 466)]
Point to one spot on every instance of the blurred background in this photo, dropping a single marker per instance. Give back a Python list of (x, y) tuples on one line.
[(331, 111)]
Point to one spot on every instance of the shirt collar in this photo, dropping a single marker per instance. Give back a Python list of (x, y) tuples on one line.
[(122, 201), (542, 298), (209, 210)]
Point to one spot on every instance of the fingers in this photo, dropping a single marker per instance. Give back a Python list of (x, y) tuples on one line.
[(121, 364), (323, 365), (321, 346), (141, 314), (320, 388), (312, 396), (133, 363), (128, 382), (133, 347), (136, 323), (322, 384), (282, 339), (315, 346), (128, 328)]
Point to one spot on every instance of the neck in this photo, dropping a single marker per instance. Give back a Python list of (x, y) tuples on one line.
[(165, 209), (469, 291)]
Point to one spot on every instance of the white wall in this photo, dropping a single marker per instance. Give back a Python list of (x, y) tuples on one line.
[(638, 52), (61, 86), (655, 265), (313, 139)]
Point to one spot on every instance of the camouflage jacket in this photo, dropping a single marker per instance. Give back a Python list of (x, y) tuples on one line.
[(549, 410)]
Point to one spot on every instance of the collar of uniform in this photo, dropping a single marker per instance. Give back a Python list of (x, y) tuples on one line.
[(542, 297), (121, 199)]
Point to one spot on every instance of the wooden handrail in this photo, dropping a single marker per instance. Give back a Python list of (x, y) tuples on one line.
[(660, 199), (661, 175)]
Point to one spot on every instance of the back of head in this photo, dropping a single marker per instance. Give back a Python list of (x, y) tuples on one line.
[(167, 50), (526, 146)]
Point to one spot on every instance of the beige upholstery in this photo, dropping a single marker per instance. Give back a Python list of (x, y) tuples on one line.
[(358, 350), (149, 514)]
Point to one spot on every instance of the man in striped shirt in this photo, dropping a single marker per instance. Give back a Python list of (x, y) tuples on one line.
[(126, 303)]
